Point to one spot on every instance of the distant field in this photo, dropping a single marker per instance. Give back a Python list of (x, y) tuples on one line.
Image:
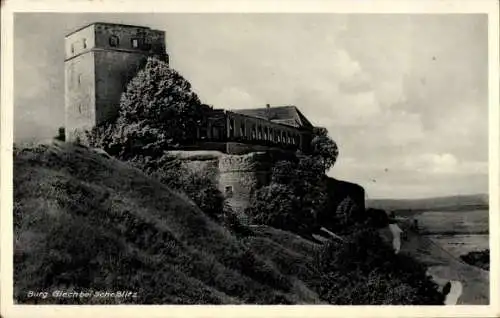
[(459, 245), (463, 222), (450, 203)]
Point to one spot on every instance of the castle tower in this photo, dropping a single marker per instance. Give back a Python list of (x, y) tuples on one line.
[(101, 58)]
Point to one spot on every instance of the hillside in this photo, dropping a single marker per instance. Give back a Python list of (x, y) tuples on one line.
[(443, 266), (449, 203), (86, 222), (70, 200)]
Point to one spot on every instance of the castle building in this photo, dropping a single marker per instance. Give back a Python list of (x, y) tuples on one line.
[(100, 59)]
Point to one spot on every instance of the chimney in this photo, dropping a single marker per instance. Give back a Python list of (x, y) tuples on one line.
[(268, 112)]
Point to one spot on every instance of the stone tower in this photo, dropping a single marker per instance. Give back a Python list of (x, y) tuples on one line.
[(100, 59)]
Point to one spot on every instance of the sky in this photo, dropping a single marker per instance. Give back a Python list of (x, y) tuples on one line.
[(404, 96)]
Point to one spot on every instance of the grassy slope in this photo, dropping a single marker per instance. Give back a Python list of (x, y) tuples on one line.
[(86, 221), (445, 267)]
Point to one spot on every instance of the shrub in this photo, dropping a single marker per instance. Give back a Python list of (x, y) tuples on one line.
[(294, 197), (480, 259), (364, 271)]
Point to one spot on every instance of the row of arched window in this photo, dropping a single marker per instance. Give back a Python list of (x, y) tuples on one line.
[(261, 132)]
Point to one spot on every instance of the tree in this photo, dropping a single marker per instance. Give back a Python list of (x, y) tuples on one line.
[(325, 149), (158, 111), (293, 199)]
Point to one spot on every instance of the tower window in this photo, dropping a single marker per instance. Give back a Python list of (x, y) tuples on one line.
[(135, 43), (113, 41), (72, 48), (80, 108), (84, 43), (228, 191), (79, 79)]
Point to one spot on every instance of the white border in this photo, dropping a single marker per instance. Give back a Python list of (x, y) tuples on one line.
[(9, 7)]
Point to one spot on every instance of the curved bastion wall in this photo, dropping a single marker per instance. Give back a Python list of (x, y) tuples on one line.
[(241, 175), (236, 176)]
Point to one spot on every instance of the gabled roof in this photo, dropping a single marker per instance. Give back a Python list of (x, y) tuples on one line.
[(287, 115)]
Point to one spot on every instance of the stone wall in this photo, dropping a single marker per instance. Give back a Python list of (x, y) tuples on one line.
[(100, 59), (79, 81), (241, 175)]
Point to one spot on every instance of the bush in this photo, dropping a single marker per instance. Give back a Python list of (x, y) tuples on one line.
[(294, 197), (364, 271), (480, 259)]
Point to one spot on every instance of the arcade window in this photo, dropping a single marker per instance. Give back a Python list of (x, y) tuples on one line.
[(242, 129), (231, 128), (114, 41), (254, 133)]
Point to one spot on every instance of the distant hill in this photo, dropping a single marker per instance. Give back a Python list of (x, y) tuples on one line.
[(69, 200), (448, 203)]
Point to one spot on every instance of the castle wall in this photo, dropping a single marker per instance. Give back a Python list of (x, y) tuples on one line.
[(241, 176), (119, 61), (113, 72), (79, 42), (80, 95), (100, 60), (136, 39)]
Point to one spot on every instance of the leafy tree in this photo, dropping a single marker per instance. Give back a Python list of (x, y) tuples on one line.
[(294, 197), (158, 111), (325, 149)]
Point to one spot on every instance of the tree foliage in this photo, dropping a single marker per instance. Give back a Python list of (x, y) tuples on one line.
[(158, 111), (325, 149), (362, 270), (293, 198)]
